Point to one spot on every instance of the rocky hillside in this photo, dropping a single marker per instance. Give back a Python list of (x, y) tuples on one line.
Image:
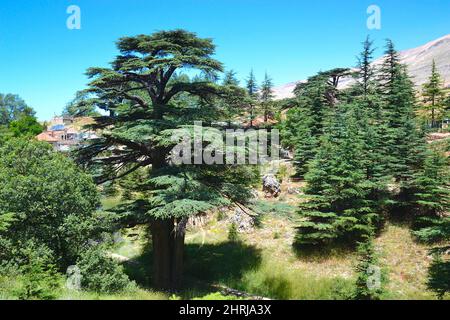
[(418, 61)]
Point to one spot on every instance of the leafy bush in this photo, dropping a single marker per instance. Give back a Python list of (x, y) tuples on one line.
[(370, 278), (101, 273), (233, 234), (53, 201), (431, 229), (39, 281), (37, 276), (439, 276), (282, 173)]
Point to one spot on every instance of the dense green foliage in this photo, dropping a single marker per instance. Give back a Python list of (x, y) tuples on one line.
[(12, 107), (432, 185), (51, 202), (434, 98), (81, 106), (338, 206), (38, 277), (305, 123), (370, 279), (17, 119), (100, 273), (149, 101), (439, 275), (367, 159), (266, 97), (26, 126)]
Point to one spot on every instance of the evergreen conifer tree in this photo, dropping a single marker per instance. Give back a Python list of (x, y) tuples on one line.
[(266, 97), (404, 141), (370, 278), (373, 129), (230, 79), (148, 100), (338, 206), (252, 90), (316, 99), (433, 96), (432, 197)]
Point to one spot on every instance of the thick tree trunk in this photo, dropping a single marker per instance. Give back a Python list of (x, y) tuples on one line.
[(177, 252), (168, 251), (433, 121), (161, 230)]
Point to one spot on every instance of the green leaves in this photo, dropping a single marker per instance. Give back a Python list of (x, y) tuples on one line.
[(25, 126), (52, 200), (339, 204), (5, 220), (150, 100)]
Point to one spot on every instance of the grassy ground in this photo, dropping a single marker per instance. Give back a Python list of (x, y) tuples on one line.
[(264, 263)]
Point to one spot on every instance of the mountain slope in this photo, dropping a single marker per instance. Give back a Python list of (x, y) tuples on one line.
[(418, 61)]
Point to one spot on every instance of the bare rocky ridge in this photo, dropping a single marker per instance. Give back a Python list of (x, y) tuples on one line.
[(418, 61)]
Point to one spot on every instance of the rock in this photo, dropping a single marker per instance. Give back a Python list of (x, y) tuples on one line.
[(285, 154), (242, 220), (292, 190), (271, 186), (119, 257)]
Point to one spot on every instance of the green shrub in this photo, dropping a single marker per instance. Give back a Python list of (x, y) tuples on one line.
[(101, 273), (439, 276), (54, 202), (37, 276), (39, 281), (233, 235), (282, 173), (431, 229), (370, 278), (221, 215)]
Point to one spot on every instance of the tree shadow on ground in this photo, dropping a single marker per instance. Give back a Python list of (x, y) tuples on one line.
[(323, 253), (204, 267), (216, 263)]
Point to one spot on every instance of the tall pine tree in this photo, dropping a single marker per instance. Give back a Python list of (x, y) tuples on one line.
[(252, 90), (433, 96), (404, 140), (147, 100), (338, 207), (266, 97), (316, 99)]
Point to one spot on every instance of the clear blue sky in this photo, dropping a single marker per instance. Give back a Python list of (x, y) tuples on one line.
[(44, 62)]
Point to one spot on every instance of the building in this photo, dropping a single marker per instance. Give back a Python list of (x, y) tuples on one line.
[(64, 133)]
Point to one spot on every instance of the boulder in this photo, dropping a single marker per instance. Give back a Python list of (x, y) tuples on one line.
[(242, 220), (271, 186)]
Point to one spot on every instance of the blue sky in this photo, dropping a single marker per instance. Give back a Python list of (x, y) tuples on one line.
[(44, 62)]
